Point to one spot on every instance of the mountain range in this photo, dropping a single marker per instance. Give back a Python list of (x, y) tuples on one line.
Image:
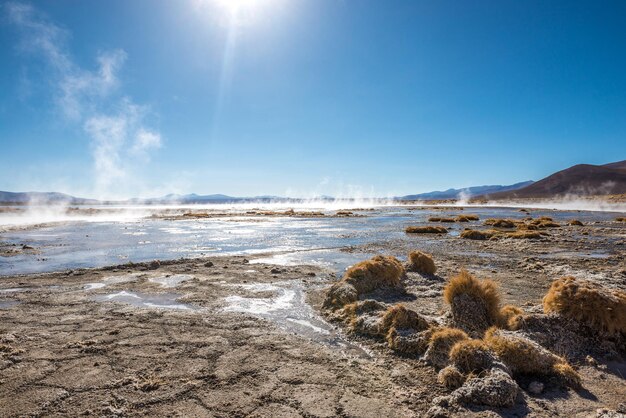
[(581, 180)]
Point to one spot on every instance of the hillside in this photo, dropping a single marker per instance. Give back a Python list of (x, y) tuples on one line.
[(581, 180), (467, 192)]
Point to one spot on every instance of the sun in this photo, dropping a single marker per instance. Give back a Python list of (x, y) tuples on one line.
[(239, 12)]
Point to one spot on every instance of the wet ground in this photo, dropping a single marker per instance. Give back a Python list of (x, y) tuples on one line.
[(241, 335)]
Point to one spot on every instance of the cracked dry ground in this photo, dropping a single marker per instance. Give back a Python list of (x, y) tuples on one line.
[(66, 355)]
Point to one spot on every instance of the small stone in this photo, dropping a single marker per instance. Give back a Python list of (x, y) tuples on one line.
[(535, 387), (208, 264), (275, 271)]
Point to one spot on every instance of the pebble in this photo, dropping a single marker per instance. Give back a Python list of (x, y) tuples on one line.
[(535, 387)]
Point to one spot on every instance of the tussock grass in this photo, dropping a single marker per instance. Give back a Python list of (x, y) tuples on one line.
[(575, 222), (620, 219), (426, 230), (525, 357), (441, 342), (472, 356), (524, 235), (440, 219), (544, 222), (451, 377), (400, 317), (485, 292), (422, 262), (589, 303), (365, 277), (479, 235), (501, 223), (507, 316), (467, 218)]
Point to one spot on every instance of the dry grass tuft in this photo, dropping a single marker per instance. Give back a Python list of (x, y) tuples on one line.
[(620, 219), (524, 356), (365, 277), (400, 317), (440, 344), (586, 302), (567, 375), (472, 356), (479, 235), (484, 292), (507, 316), (544, 222), (379, 271), (575, 222), (426, 230), (524, 235), (467, 218), (422, 262), (451, 377), (501, 223)]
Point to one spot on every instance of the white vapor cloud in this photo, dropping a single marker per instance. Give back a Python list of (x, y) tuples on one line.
[(114, 124)]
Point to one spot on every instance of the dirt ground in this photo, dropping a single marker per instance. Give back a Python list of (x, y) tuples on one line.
[(67, 351)]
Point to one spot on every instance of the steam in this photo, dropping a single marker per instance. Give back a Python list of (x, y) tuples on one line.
[(115, 126)]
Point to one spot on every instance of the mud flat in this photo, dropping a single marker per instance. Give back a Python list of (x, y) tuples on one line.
[(176, 340), (233, 336)]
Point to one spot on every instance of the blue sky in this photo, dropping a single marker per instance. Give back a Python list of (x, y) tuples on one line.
[(304, 97)]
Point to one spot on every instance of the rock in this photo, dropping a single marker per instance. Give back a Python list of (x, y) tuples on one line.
[(275, 271), (497, 388), (535, 387), (208, 264)]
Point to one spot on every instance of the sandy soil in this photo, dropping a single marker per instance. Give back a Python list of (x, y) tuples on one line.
[(67, 351)]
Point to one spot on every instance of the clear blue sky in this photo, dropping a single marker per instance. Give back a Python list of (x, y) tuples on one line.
[(301, 97)]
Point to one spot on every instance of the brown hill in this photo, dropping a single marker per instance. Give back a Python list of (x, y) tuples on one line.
[(581, 179)]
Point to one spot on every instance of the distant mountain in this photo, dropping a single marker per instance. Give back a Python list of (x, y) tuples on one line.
[(42, 197), (467, 192), (581, 180)]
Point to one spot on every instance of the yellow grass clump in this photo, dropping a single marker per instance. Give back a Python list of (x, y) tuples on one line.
[(524, 356), (422, 262), (483, 290), (379, 271), (472, 356), (466, 218), (524, 235), (479, 235), (365, 277), (600, 308), (400, 317), (440, 344), (544, 222), (451, 377), (501, 223), (507, 316), (426, 230)]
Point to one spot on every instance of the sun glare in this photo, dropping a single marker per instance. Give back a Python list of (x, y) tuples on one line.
[(240, 12)]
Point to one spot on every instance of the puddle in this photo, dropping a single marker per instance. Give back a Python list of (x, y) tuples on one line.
[(337, 261), (94, 286), (284, 304), (170, 281), (143, 300), (109, 280), (6, 304), (574, 254), (15, 290)]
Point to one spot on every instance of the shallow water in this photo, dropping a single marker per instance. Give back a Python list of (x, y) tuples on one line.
[(284, 304), (145, 300), (308, 240)]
